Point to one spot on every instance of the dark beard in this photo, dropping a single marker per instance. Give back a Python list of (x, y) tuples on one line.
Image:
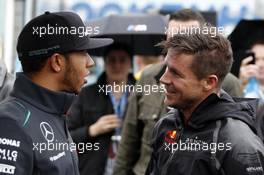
[(186, 105), (70, 79)]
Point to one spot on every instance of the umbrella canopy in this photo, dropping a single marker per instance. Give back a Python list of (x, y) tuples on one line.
[(140, 31), (245, 34)]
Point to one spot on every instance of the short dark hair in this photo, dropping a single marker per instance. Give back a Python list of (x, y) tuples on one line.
[(187, 15), (31, 66), (212, 54), (256, 42), (118, 46)]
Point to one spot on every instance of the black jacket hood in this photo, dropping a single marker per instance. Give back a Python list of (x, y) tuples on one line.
[(216, 108)]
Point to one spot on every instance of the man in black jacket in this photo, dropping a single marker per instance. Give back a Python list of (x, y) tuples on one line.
[(34, 138), (209, 133), (145, 109), (97, 115)]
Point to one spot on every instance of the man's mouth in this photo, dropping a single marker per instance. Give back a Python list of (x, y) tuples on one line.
[(169, 92)]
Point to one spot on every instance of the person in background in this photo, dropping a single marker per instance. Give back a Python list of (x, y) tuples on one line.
[(97, 115), (6, 81), (253, 74)]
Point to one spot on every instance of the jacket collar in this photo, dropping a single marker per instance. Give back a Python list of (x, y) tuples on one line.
[(40, 97), (216, 107)]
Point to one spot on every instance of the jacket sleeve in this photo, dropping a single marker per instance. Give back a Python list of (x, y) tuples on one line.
[(245, 158), (152, 168), (260, 125), (16, 149), (75, 121), (129, 147)]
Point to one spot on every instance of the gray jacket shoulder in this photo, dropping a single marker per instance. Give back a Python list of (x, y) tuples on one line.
[(232, 86), (13, 109), (152, 70), (241, 137)]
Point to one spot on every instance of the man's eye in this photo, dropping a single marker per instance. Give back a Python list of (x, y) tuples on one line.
[(176, 74)]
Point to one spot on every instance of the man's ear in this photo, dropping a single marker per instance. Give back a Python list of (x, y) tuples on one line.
[(210, 83), (57, 62)]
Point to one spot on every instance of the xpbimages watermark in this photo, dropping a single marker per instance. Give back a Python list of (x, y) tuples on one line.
[(146, 89), (196, 145), (63, 30), (63, 146), (204, 29)]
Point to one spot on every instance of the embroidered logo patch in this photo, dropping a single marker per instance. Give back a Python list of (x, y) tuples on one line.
[(171, 136)]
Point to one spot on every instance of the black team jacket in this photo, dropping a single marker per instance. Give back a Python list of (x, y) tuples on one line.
[(34, 138), (219, 139)]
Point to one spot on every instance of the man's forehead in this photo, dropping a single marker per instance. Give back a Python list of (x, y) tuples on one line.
[(183, 24), (174, 56), (117, 53)]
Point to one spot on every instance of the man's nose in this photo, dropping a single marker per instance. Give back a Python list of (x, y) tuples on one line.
[(90, 62), (118, 64), (164, 79)]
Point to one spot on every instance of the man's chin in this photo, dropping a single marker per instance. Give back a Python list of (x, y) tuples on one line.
[(77, 90), (74, 90), (169, 103)]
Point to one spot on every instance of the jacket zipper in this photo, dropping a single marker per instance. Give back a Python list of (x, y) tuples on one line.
[(76, 169), (180, 130)]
